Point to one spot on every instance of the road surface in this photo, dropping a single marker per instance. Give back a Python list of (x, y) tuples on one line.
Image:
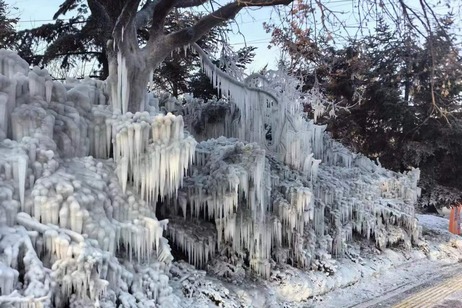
[(443, 292)]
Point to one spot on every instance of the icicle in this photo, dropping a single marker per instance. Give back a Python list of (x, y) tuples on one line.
[(22, 169), (48, 90)]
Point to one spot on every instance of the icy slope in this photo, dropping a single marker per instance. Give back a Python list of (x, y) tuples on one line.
[(273, 202)]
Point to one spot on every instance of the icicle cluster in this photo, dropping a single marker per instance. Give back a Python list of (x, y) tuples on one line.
[(195, 239), (151, 152), (298, 221), (211, 119), (307, 211), (65, 221), (255, 106), (229, 189)]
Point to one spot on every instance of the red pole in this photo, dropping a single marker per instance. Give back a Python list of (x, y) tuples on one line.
[(454, 220)]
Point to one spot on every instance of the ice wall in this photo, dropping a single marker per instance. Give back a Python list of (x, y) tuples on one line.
[(73, 233)]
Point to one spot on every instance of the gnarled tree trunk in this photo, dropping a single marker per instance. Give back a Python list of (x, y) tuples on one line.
[(131, 66)]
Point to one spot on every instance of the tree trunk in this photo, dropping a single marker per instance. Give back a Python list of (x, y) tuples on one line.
[(129, 75), (104, 65)]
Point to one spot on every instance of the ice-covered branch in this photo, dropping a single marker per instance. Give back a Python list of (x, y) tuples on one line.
[(254, 104), (221, 74)]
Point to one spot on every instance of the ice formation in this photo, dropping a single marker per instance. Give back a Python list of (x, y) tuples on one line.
[(68, 228), (273, 200), (83, 186), (151, 151), (256, 107)]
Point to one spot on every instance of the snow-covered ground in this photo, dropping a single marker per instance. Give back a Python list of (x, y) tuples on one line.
[(441, 253), (367, 276)]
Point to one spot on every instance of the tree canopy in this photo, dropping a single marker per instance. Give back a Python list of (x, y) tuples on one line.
[(7, 24)]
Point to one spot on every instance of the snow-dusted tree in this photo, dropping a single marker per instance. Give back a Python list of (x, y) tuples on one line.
[(131, 64)]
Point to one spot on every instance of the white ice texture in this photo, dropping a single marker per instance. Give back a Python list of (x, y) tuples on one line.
[(81, 182), (273, 200), (77, 230)]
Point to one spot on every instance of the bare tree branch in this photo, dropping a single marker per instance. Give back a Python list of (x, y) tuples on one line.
[(145, 14), (226, 12), (65, 7), (193, 33), (188, 3), (163, 7)]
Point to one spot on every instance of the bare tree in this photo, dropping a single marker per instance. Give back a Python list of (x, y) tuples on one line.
[(307, 26)]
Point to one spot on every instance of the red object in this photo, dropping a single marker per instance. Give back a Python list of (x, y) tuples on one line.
[(454, 220)]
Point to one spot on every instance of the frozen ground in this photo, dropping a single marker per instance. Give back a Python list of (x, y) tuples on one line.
[(397, 270), (364, 279)]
